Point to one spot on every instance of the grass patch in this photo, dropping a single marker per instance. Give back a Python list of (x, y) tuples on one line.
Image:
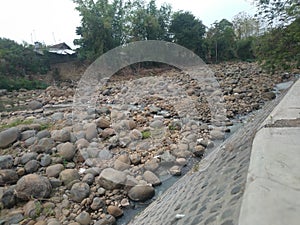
[(146, 134), (15, 123), (20, 82)]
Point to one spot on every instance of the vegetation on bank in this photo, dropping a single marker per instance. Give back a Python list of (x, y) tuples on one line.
[(272, 37)]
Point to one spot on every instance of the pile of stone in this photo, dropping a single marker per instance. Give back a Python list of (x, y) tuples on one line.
[(138, 134)]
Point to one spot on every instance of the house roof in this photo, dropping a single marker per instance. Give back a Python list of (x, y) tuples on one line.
[(62, 45), (61, 49)]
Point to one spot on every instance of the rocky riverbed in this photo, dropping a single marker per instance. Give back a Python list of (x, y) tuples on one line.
[(144, 129)]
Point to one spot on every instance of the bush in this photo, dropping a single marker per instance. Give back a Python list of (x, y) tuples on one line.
[(20, 82)]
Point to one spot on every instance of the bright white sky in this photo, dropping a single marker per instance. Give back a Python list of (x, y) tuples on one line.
[(55, 21)]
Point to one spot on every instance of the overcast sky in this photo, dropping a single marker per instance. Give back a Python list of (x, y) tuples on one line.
[(54, 21)]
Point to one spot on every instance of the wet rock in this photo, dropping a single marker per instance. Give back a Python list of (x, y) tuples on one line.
[(141, 193), (9, 136), (69, 175), (32, 166), (151, 178), (112, 179), (61, 135), (66, 151), (33, 185), (79, 191), (54, 170), (33, 105), (6, 161), (115, 211), (8, 177), (83, 218)]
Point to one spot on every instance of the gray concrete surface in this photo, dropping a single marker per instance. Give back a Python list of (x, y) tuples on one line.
[(272, 194)]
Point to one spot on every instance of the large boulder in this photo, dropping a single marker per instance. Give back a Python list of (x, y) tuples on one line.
[(112, 179), (9, 136), (33, 185)]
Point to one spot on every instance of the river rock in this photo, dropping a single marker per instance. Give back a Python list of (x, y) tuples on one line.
[(33, 185), (135, 158), (102, 123), (9, 199), (91, 132), (45, 145), (79, 191), (141, 193), (27, 157), (83, 218), (97, 203), (32, 209), (8, 177), (112, 179), (34, 104), (107, 220), (88, 178), (115, 211), (67, 151), (9, 136), (27, 134), (32, 166), (69, 175), (61, 135), (54, 170), (43, 134), (151, 178), (6, 161)]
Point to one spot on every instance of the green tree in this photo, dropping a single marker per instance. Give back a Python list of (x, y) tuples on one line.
[(220, 42), (279, 48), (188, 31), (20, 60), (101, 27), (278, 12)]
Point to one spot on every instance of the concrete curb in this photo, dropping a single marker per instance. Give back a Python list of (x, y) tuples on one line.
[(272, 194)]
